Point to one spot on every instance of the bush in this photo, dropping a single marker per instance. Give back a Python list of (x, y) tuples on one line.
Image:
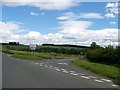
[(108, 55)]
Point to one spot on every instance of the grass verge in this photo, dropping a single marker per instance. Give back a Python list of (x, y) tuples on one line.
[(101, 69), (36, 55)]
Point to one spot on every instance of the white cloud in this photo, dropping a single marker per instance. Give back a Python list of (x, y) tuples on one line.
[(43, 4), (76, 32), (73, 16), (112, 22), (70, 32), (34, 14), (111, 10), (68, 16), (91, 15), (110, 15)]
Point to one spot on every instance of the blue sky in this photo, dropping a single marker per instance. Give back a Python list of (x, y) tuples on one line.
[(58, 20), (46, 23)]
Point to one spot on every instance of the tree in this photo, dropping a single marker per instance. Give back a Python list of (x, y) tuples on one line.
[(94, 45)]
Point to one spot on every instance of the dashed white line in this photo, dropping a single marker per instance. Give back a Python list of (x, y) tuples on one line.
[(45, 65), (114, 85), (85, 77), (98, 80), (81, 74), (50, 66), (74, 74), (106, 80), (92, 77), (41, 65), (36, 63), (65, 71), (72, 71), (58, 69)]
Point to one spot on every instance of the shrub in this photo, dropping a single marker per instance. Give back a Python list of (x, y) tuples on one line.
[(108, 55)]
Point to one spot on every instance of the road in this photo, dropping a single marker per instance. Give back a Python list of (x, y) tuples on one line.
[(48, 74)]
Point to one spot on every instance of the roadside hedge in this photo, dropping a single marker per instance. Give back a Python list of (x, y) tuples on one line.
[(107, 55)]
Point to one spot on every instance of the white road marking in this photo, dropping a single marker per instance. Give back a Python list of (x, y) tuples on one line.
[(98, 80), (106, 80), (85, 77), (41, 65), (65, 71), (63, 63), (46, 66), (92, 77), (75, 74), (58, 69), (50, 66), (81, 74), (36, 63), (114, 85), (72, 71), (9, 55)]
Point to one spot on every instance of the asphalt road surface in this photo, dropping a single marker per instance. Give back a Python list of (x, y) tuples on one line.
[(48, 74)]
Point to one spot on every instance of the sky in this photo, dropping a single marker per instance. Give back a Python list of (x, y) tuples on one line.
[(64, 22)]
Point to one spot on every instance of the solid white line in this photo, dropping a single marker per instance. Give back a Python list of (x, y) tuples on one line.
[(106, 80), (85, 77), (98, 80)]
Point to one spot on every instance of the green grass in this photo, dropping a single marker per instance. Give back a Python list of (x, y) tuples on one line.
[(26, 57), (36, 55), (102, 69)]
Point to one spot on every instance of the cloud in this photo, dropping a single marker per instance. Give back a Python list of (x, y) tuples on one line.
[(73, 16), (76, 32), (70, 32), (68, 16), (43, 4), (112, 22), (111, 10), (110, 15), (10, 31), (34, 14), (91, 15)]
